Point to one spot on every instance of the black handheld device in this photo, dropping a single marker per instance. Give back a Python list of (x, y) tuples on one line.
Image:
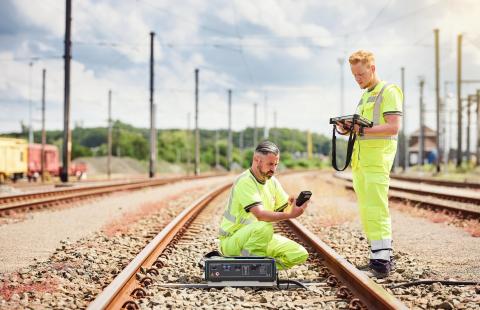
[(348, 122), (302, 197)]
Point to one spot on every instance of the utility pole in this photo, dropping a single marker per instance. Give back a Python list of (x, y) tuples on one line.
[(341, 62), (469, 103), (421, 137), (66, 98), (240, 140), (477, 163), (255, 141), (309, 145), (275, 126), (403, 136), (437, 95), (188, 143), (230, 146), (44, 134), (197, 133), (217, 151), (459, 101), (109, 158), (265, 129), (153, 131), (30, 126), (240, 144)]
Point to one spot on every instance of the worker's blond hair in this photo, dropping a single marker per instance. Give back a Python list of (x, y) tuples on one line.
[(365, 57)]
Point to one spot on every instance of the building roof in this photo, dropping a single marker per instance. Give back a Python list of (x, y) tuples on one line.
[(427, 132)]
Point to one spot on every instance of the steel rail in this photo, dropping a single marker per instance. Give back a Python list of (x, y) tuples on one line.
[(117, 294), (449, 183), (474, 197), (372, 295), (127, 286), (35, 200), (466, 207)]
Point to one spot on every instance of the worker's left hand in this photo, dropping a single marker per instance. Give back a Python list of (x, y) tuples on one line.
[(356, 128)]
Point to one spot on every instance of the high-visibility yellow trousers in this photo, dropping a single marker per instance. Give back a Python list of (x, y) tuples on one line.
[(371, 186), (258, 239)]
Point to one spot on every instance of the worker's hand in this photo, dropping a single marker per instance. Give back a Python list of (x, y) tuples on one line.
[(291, 200), (297, 211), (343, 127), (356, 128)]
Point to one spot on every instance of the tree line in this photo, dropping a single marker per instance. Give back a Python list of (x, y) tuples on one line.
[(178, 145)]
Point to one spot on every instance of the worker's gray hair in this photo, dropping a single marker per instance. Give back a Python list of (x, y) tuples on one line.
[(267, 147)]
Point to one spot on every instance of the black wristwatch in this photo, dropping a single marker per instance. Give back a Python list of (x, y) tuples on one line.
[(361, 131)]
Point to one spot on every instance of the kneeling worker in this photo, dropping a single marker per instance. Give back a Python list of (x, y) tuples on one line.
[(256, 200)]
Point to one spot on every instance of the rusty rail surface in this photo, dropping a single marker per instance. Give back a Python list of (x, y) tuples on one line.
[(56, 197), (126, 287), (372, 295), (457, 203), (433, 181)]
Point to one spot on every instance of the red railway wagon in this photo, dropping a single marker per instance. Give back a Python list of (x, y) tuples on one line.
[(52, 161)]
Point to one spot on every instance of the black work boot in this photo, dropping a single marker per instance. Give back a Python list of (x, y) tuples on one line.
[(380, 268)]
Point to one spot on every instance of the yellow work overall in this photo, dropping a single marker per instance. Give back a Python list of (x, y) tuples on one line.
[(241, 234), (372, 159)]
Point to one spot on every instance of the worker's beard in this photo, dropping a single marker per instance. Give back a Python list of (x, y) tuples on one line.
[(267, 175)]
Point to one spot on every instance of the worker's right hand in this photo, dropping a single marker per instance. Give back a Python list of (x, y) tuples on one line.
[(297, 211), (344, 128)]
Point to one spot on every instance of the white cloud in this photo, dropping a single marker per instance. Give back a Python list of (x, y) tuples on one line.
[(275, 35)]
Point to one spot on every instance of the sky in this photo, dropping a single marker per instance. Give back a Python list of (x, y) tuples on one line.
[(282, 54)]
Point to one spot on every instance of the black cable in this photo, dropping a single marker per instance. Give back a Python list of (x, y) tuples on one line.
[(444, 282), (286, 272), (298, 283)]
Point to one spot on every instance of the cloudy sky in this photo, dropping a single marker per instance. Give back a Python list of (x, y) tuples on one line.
[(282, 52)]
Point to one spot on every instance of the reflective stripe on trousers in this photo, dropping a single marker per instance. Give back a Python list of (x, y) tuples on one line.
[(381, 249)]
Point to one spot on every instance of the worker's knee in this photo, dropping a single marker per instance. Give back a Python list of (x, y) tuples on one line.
[(294, 257), (301, 256)]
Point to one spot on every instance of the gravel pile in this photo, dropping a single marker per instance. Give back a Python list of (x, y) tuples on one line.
[(77, 271), (182, 267)]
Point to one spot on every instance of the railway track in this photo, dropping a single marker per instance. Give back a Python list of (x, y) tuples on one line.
[(42, 199), (191, 233), (432, 181), (461, 202)]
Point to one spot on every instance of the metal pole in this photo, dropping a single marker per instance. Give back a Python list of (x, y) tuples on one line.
[(188, 144), (265, 129), (341, 62), (478, 128), (109, 158), (217, 151), (66, 99), (255, 142), (229, 149), (240, 140), (197, 133), (153, 131), (275, 126), (403, 145), (421, 137), (44, 134), (469, 103), (459, 101), (240, 144), (30, 126), (437, 95)]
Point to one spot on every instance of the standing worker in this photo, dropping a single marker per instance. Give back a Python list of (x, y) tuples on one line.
[(256, 200), (373, 157)]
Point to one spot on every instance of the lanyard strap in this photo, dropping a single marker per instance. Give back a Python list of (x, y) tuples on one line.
[(351, 143)]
